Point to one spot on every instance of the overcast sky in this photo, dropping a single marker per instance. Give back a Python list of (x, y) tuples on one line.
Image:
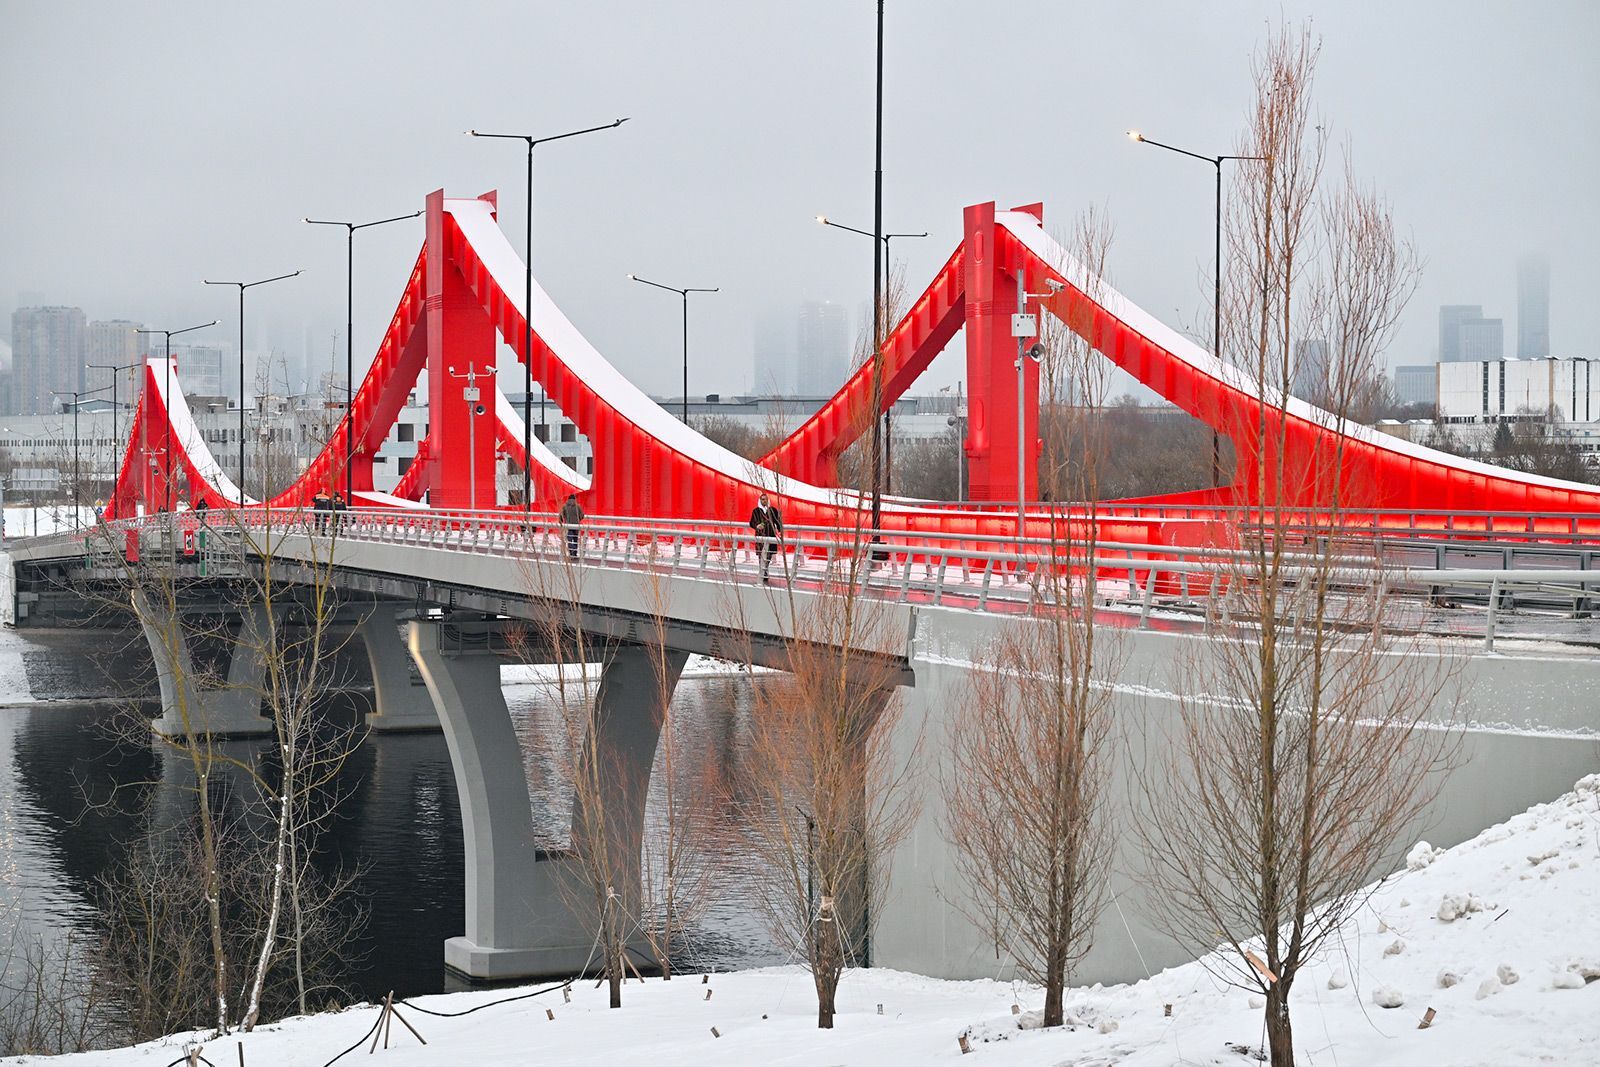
[(148, 146)]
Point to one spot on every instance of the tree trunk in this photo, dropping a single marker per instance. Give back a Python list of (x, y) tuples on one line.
[(826, 987), (1053, 996), (1280, 1038)]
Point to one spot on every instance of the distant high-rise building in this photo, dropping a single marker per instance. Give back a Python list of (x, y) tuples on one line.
[(774, 357), (199, 369), (1533, 307), (48, 349), (1417, 384), (822, 348), (1451, 316), (1311, 368), (116, 343), (1482, 339)]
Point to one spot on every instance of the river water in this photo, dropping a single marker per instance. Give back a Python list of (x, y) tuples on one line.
[(70, 783)]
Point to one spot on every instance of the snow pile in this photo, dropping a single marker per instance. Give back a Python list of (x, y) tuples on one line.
[(1513, 976)]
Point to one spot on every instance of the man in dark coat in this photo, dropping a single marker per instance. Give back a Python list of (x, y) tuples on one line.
[(321, 504), (768, 527), (571, 515)]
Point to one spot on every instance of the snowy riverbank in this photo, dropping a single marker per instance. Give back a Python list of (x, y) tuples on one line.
[(1500, 936)]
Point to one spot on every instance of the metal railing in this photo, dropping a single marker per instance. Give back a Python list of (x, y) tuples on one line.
[(964, 571)]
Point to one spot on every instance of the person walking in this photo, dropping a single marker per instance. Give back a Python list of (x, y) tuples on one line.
[(321, 504), (768, 527), (571, 515)]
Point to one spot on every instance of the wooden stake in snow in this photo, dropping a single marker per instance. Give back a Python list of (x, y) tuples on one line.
[(386, 1020), (966, 1047), (708, 994), (715, 1032), (1016, 1009), (566, 993), (549, 1013), (1427, 1020), (1166, 1010)]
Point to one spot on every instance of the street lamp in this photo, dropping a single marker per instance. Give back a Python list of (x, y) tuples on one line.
[(77, 396), (1216, 275), (115, 369), (350, 229), (888, 263), (685, 294), (474, 409), (166, 403), (527, 306), (242, 287)]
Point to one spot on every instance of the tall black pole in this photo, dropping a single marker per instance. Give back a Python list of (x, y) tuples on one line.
[(349, 355), (527, 349), (76, 489), (166, 411), (1216, 325), (686, 357), (241, 395), (877, 294)]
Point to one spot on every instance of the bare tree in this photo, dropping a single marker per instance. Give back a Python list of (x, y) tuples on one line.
[(1308, 733), (1026, 767), (826, 803)]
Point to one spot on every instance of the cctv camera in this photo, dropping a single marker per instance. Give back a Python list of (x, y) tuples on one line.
[(1055, 286), (479, 410)]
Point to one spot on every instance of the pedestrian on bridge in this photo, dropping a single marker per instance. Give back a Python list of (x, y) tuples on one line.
[(339, 504), (571, 515), (321, 504), (768, 527)]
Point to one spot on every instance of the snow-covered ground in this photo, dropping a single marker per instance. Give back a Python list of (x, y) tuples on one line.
[(1500, 936)]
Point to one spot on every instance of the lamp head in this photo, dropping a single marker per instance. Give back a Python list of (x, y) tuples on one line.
[(1135, 135), (633, 278), (822, 219)]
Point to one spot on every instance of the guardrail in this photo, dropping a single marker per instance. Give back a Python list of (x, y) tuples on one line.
[(984, 573)]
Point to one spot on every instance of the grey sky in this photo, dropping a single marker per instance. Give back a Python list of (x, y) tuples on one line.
[(149, 146)]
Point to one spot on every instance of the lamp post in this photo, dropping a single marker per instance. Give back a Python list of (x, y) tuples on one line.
[(166, 404), (242, 287), (527, 303), (685, 294), (474, 408), (350, 229), (115, 369), (1216, 275), (77, 396), (888, 263)]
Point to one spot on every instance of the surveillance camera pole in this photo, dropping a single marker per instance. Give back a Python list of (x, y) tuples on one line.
[(470, 395), (1024, 326)]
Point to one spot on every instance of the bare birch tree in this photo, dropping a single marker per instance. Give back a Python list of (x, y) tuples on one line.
[(1026, 765), (1309, 734)]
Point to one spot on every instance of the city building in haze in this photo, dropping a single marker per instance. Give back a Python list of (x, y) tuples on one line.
[(199, 368), (1451, 316), (48, 346), (1533, 306), (1482, 339), (774, 356), (1417, 383), (822, 348)]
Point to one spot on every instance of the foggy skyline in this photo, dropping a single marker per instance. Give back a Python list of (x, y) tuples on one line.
[(149, 148)]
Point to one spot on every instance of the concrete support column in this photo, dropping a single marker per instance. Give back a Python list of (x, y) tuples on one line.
[(517, 920), (400, 697), (636, 684), (234, 710)]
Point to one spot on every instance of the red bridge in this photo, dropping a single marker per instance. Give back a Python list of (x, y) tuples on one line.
[(467, 286)]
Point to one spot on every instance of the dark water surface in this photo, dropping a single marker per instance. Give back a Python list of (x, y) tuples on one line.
[(71, 791)]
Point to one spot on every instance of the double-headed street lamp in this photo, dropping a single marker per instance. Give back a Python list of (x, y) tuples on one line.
[(527, 305), (77, 396), (242, 287), (685, 294), (115, 369), (1216, 295), (166, 403), (878, 330), (350, 229), (475, 407)]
